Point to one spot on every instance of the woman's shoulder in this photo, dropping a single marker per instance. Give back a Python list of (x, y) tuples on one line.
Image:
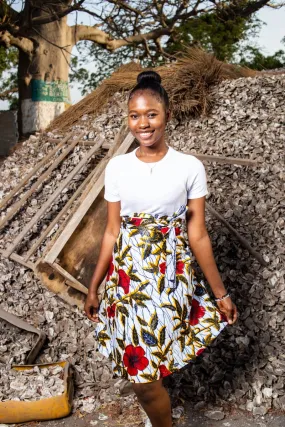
[(187, 159), (119, 161)]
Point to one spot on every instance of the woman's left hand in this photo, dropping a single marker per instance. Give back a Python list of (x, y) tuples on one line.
[(228, 308)]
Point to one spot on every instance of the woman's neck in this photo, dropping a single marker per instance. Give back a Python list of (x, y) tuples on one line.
[(152, 152)]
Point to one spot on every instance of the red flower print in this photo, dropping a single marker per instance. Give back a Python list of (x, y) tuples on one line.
[(134, 359), (111, 310), (124, 281), (164, 229), (136, 221), (111, 270), (177, 231), (197, 311), (179, 267), (164, 371), (162, 267), (200, 351)]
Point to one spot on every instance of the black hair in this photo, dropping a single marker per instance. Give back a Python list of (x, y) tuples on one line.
[(150, 80)]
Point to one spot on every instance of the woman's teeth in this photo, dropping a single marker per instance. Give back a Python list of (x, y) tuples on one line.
[(145, 134)]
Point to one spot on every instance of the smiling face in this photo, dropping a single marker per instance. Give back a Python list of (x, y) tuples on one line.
[(147, 118)]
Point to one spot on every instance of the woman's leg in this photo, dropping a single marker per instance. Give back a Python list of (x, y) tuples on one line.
[(155, 401)]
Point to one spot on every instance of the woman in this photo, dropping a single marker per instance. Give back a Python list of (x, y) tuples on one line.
[(155, 317)]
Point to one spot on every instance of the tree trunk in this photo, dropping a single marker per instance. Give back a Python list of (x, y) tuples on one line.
[(43, 76)]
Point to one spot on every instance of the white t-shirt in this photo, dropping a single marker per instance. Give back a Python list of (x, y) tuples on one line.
[(173, 180)]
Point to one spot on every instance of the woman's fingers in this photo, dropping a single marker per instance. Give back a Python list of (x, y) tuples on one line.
[(229, 309), (235, 314), (91, 309), (232, 315)]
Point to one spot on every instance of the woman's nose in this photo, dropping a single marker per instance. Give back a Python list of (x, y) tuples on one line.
[(143, 122)]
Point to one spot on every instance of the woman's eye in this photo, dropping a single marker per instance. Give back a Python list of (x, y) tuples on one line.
[(152, 115), (133, 116)]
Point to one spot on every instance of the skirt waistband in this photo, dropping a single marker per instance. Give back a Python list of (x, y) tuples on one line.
[(137, 219)]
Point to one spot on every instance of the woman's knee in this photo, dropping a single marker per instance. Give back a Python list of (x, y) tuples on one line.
[(147, 392)]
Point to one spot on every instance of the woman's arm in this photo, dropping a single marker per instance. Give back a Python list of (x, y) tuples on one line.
[(109, 238), (202, 249)]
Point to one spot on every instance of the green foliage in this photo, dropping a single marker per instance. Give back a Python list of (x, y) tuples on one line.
[(253, 58), (213, 34), (8, 74)]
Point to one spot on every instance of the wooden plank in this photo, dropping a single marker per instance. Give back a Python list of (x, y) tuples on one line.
[(97, 186), (16, 321), (19, 259), (98, 170), (88, 142), (119, 138), (69, 278), (223, 159), (242, 240), (56, 193), (45, 232), (34, 170), (41, 179)]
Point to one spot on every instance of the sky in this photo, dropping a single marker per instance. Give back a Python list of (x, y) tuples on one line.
[(269, 40)]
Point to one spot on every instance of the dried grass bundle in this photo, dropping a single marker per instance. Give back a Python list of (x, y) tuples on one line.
[(187, 81)]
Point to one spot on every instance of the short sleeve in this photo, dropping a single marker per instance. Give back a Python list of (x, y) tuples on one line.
[(111, 183), (197, 181)]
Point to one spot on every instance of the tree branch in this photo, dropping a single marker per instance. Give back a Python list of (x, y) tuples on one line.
[(94, 34), (276, 6), (7, 13), (237, 9), (21, 43), (126, 6), (55, 15), (8, 92)]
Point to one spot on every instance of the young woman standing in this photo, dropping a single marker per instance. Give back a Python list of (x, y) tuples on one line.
[(155, 317)]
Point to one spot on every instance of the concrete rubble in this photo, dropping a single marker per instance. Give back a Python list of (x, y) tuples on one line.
[(32, 384), (245, 367)]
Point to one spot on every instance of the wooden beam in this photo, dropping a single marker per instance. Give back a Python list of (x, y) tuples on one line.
[(48, 203), (19, 323), (88, 142), (97, 185), (41, 179), (223, 159), (45, 232), (70, 280), (19, 259), (39, 165), (241, 239), (119, 138)]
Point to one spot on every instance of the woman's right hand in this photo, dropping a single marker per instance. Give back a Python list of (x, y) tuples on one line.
[(91, 307)]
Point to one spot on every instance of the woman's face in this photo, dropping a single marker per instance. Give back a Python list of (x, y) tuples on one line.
[(146, 118)]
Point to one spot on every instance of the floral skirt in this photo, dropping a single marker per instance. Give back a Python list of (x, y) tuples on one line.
[(155, 317)]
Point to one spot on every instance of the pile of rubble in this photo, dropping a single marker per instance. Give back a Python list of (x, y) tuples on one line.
[(31, 384), (246, 364), (15, 344)]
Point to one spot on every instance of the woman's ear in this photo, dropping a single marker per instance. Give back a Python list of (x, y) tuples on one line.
[(168, 115)]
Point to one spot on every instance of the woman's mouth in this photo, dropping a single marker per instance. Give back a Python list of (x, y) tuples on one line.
[(146, 135)]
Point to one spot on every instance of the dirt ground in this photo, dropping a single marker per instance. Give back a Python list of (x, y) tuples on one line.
[(190, 419)]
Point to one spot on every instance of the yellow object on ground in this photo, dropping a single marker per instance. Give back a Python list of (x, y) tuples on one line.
[(13, 411)]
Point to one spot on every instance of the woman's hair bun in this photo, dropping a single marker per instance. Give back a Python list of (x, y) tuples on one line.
[(148, 76)]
